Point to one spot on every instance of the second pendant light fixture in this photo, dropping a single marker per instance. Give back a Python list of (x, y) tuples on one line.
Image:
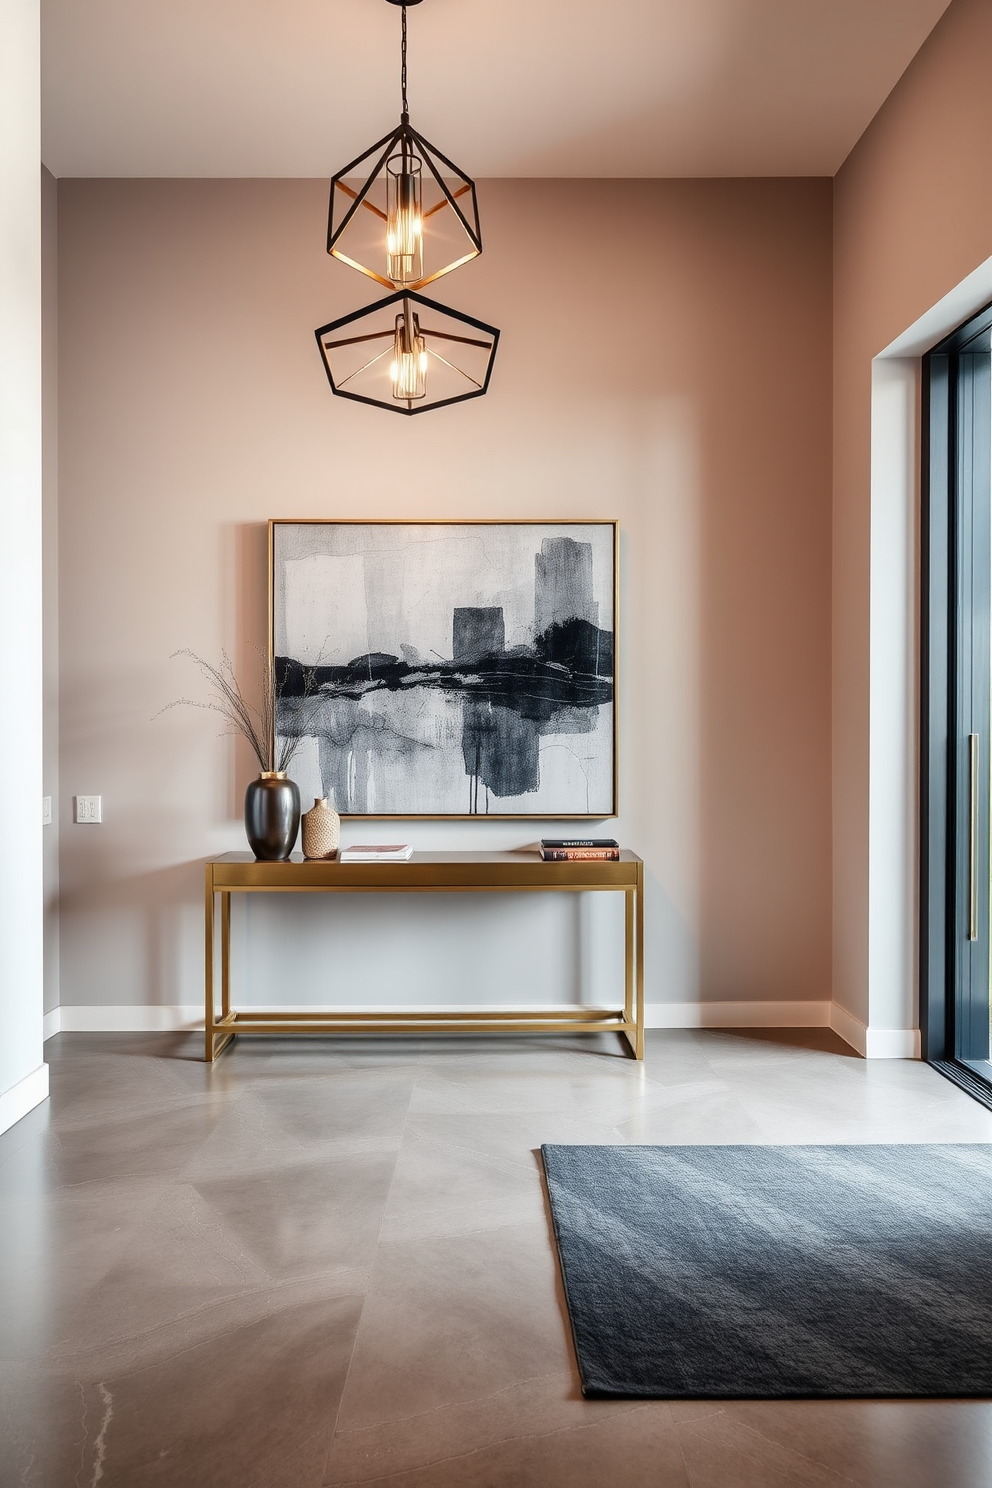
[(404, 214)]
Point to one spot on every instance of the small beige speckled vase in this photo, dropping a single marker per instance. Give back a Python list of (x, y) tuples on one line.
[(321, 830)]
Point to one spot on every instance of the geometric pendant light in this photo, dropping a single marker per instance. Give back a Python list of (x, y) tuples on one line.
[(401, 212), (408, 354), (404, 214)]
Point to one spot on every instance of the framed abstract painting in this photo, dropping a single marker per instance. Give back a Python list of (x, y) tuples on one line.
[(448, 669)]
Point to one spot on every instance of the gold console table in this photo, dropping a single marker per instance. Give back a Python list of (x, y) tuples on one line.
[(425, 873)]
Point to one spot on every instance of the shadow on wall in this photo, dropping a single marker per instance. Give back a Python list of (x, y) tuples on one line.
[(153, 922), (248, 542), (140, 939)]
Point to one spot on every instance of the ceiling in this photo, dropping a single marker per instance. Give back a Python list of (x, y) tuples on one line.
[(507, 87)]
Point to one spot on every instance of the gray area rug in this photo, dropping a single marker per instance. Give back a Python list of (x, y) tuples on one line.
[(770, 1272)]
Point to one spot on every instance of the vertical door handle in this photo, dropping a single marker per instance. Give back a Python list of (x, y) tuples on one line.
[(973, 837)]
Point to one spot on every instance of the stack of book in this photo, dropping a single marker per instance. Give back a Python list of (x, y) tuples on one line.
[(377, 852), (580, 849)]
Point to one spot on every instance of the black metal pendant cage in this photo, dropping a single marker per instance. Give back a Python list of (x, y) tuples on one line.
[(408, 354), (400, 184), (404, 214)]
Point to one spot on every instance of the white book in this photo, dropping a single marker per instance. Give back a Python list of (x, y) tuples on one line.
[(377, 852)]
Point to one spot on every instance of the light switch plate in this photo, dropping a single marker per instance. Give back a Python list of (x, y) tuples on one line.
[(46, 811), (89, 808)]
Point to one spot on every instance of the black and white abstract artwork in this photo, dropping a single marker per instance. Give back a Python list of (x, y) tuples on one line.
[(448, 669)]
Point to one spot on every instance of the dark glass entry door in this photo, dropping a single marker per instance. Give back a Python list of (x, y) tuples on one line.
[(957, 685)]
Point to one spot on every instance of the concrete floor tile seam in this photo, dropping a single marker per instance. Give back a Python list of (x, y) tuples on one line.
[(205, 1112), (104, 1357), (287, 1096), (372, 1262), (323, 1051), (68, 1086), (273, 1149), (538, 1073), (525, 1164), (533, 1067), (570, 1093), (537, 1223), (473, 1212), (527, 1383), (30, 1128), (696, 1410), (336, 1190), (862, 1100), (434, 1463), (397, 1235), (202, 1223), (869, 1427), (605, 1115), (304, 1086), (72, 1120), (492, 1049), (178, 1127), (304, 1077), (84, 1185), (507, 1068), (496, 1161), (87, 1359), (296, 1155), (771, 1474), (811, 1133)]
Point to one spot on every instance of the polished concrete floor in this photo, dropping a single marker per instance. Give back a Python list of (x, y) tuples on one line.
[(322, 1262)]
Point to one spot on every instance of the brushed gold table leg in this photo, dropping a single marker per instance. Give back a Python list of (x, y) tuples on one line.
[(208, 970), (628, 955), (628, 966), (639, 952), (225, 953)]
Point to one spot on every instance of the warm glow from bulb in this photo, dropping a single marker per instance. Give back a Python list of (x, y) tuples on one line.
[(404, 219), (408, 369)]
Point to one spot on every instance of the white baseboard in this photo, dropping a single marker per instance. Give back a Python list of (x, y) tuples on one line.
[(23, 1097), (871, 1043), (892, 1043), (849, 1028), (169, 1019), (874, 1043)]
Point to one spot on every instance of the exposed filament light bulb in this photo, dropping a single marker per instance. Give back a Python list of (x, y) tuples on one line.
[(408, 369), (404, 219)]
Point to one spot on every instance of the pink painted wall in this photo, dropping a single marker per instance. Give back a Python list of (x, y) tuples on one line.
[(665, 360), (912, 217)]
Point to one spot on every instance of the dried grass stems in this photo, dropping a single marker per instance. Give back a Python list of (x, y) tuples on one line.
[(257, 726)]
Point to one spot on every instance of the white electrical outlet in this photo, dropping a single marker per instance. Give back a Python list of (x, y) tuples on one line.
[(89, 808), (46, 811)]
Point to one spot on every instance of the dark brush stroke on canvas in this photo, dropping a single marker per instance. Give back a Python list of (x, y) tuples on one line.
[(495, 715)]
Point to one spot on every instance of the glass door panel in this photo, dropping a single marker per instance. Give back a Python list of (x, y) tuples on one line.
[(972, 1012), (956, 776)]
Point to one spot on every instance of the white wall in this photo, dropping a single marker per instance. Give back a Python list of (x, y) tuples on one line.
[(893, 861), (50, 578), (23, 1075)]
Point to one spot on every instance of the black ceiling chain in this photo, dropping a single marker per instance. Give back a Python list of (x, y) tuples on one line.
[(405, 118)]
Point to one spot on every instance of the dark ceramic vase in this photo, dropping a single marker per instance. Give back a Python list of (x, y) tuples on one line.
[(272, 816)]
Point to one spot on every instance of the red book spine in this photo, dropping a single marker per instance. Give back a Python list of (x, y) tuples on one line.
[(581, 854)]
